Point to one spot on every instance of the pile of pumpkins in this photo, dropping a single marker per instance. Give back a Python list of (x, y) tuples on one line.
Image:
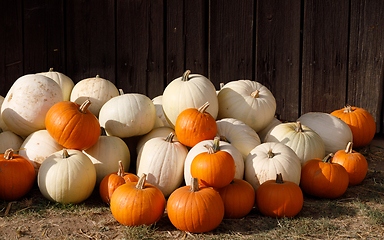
[(202, 155)]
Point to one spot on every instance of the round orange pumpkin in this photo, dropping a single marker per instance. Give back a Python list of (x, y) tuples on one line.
[(195, 125), (278, 198), (361, 123), (196, 210), (354, 162), (322, 178), (17, 176), (72, 125), (135, 204)]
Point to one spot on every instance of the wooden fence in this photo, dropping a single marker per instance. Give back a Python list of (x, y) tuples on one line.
[(314, 55)]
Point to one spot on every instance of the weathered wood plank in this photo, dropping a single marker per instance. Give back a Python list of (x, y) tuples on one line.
[(278, 54), (325, 55), (230, 41), (90, 26), (366, 63), (140, 44)]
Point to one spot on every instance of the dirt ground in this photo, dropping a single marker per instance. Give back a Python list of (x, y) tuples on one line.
[(34, 217)]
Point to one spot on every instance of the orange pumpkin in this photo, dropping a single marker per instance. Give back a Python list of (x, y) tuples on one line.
[(278, 198), (135, 204), (17, 176), (238, 198), (214, 168), (72, 125), (361, 123), (196, 210), (354, 162), (195, 125), (322, 178), (112, 181)]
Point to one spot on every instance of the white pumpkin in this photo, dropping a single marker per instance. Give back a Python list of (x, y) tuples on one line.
[(188, 91), (268, 159), (336, 134), (264, 133), (9, 139), (158, 102), (28, 101), (224, 146), (239, 134), (66, 84), (248, 101), (305, 142), (162, 159), (106, 154), (67, 176), (128, 115), (156, 132), (3, 126), (38, 146), (98, 90)]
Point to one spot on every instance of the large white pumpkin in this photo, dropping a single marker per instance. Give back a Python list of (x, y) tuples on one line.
[(248, 101), (335, 133), (66, 84), (224, 146), (128, 115), (162, 159), (106, 154), (158, 102), (28, 101), (67, 176), (264, 133), (239, 134), (188, 91), (3, 126), (305, 142), (267, 160), (9, 139), (98, 90), (38, 146), (156, 132)]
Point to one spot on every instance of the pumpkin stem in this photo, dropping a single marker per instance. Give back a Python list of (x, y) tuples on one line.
[(216, 144), (140, 184), (221, 85), (65, 153), (121, 92), (194, 185), (279, 178), (328, 158), (349, 148), (299, 127), (83, 107), (97, 76), (209, 148), (120, 173), (348, 109), (270, 154), (8, 154), (169, 138), (51, 70), (186, 76), (203, 108), (255, 94)]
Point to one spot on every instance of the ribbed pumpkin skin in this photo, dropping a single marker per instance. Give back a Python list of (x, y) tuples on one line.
[(17, 177), (134, 207), (360, 121), (195, 211), (238, 198), (71, 128), (323, 179), (279, 199)]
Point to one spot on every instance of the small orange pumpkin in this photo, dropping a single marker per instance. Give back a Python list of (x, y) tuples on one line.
[(354, 162), (195, 125), (361, 123), (17, 176), (278, 198), (72, 125)]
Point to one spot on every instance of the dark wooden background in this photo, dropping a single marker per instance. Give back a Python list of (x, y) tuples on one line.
[(314, 55)]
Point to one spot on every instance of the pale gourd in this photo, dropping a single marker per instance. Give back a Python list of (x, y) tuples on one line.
[(224, 146), (28, 101), (158, 102), (67, 176), (264, 133), (66, 84), (305, 142), (105, 155), (188, 91), (156, 132), (128, 115), (239, 134), (268, 159), (98, 90), (336, 134), (248, 101), (162, 159), (9, 139)]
